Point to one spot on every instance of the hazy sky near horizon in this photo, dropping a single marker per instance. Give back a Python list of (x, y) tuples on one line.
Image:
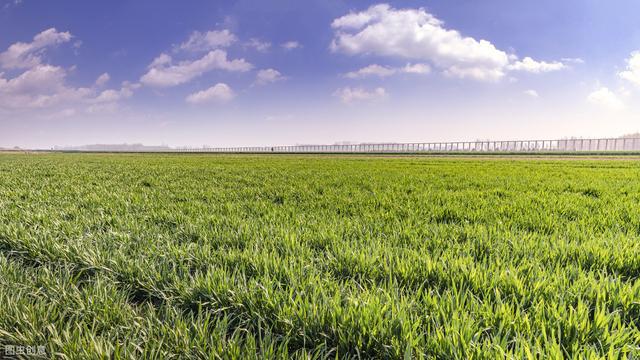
[(243, 73)]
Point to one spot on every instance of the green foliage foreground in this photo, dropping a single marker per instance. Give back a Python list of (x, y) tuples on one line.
[(205, 256)]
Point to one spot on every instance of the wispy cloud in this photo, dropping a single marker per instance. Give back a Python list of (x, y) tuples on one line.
[(102, 79), (290, 45), (163, 73), (384, 71), (350, 95), (259, 45), (207, 41), (27, 55)]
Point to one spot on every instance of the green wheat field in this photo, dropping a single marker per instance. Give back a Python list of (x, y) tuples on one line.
[(280, 256)]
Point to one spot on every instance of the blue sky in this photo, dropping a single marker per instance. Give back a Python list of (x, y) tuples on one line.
[(234, 73)]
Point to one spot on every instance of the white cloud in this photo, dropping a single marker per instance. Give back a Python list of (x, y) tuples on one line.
[(475, 73), (164, 74), (536, 67), (573, 60), (10, 4), (39, 87), (349, 95), (102, 79), (416, 69), (218, 93), (384, 71), (163, 71), (160, 60), (371, 70), (355, 21), (532, 93), (632, 72), (605, 98), (102, 108), (290, 45), (64, 113), (114, 95), (209, 40), (624, 92), (40, 78), (415, 34), (43, 88), (266, 76), (262, 46), (27, 55)]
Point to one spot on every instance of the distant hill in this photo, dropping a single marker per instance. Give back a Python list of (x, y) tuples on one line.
[(113, 147), (15, 148), (631, 136)]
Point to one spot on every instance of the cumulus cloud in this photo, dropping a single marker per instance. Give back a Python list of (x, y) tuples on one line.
[(384, 71), (632, 71), (266, 76), (605, 98), (262, 46), (44, 87), (352, 94), (220, 93), (27, 55), (163, 73), (209, 40), (39, 87), (415, 34), (532, 93), (290, 45)]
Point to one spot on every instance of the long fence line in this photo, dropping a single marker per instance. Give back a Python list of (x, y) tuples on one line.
[(564, 145)]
